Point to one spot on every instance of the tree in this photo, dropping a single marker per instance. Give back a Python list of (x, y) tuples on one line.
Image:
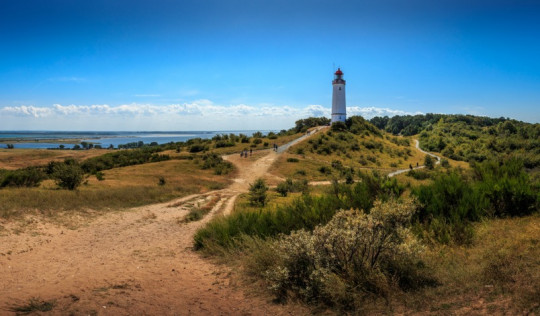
[(428, 162), (257, 192), (68, 175)]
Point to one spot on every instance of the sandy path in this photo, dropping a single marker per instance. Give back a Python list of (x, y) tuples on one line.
[(136, 262)]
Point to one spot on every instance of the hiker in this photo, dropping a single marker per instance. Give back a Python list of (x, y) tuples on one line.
[(410, 166), (417, 164), (250, 151), (241, 154)]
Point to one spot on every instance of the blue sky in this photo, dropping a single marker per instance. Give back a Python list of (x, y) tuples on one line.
[(208, 65)]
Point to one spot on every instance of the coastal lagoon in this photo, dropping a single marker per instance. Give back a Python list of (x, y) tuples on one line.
[(53, 139)]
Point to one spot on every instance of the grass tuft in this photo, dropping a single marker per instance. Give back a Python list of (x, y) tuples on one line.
[(35, 304)]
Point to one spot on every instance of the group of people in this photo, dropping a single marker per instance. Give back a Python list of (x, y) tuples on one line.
[(244, 153)]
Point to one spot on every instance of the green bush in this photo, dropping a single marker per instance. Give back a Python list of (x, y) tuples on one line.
[(100, 176), (291, 159), (216, 162), (257, 192), (428, 162), (26, 177), (68, 175)]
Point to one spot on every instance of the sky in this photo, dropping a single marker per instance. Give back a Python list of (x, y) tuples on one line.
[(261, 64)]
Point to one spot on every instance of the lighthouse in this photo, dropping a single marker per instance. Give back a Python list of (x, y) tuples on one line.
[(339, 113)]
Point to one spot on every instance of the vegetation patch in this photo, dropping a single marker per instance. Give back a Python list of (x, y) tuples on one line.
[(34, 305)]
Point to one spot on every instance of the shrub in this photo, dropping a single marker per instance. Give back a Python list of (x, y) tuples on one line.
[(338, 127), (215, 161), (354, 254), (197, 148), (283, 188), (325, 170), (257, 192), (445, 163), (418, 174), (301, 172), (161, 181), (26, 177), (68, 175), (428, 162), (292, 159), (100, 176)]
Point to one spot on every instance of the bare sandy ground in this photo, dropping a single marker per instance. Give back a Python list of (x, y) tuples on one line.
[(135, 262)]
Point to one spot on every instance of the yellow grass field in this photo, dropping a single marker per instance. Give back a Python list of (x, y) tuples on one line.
[(19, 158)]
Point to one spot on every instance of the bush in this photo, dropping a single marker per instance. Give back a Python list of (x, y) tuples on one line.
[(215, 161), (354, 254), (325, 170), (292, 159), (100, 176), (68, 175), (26, 177), (338, 127), (257, 192), (161, 181), (197, 148), (283, 188), (428, 162), (445, 163), (418, 174)]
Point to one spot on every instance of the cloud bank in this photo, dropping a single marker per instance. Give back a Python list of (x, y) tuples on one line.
[(198, 115)]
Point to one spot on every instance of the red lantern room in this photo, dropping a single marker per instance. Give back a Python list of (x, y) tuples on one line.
[(338, 76)]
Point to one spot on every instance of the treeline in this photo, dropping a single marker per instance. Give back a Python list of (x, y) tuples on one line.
[(408, 125)]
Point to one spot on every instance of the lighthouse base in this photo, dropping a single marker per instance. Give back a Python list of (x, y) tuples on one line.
[(339, 117)]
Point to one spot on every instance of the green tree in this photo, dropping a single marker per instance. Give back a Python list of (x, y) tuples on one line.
[(428, 162), (68, 175), (257, 192)]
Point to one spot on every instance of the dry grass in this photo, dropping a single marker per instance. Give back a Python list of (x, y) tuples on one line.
[(499, 273), (123, 187), (19, 158)]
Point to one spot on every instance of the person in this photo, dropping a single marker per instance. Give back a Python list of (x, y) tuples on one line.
[(242, 154), (417, 164), (410, 166), (250, 151)]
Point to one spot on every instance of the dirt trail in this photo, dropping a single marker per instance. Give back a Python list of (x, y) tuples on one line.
[(136, 262)]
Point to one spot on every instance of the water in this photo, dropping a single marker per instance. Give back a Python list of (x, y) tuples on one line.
[(51, 139)]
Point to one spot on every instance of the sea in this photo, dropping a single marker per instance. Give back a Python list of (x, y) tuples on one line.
[(53, 139)]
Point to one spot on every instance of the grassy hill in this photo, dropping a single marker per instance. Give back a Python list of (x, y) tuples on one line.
[(360, 146)]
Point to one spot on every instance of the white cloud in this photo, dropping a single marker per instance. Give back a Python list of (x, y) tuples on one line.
[(198, 115), (370, 112)]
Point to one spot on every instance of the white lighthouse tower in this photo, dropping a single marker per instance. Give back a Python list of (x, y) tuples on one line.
[(339, 112)]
